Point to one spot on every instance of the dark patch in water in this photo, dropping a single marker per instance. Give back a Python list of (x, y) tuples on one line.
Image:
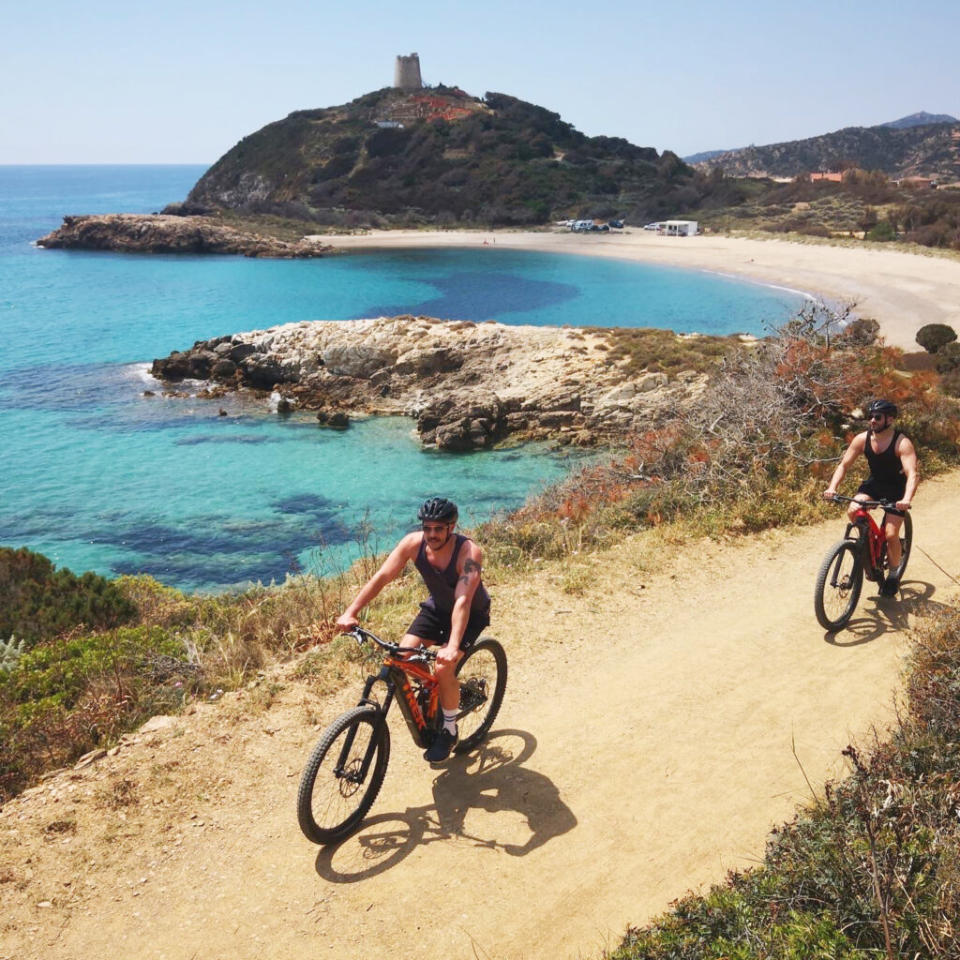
[(481, 296), (235, 438), (209, 572), (207, 552)]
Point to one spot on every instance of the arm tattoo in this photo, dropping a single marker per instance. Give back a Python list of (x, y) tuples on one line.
[(470, 567)]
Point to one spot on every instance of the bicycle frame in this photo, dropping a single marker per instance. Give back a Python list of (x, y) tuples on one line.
[(419, 706), (875, 539)]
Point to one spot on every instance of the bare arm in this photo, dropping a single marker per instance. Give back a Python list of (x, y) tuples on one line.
[(856, 447), (392, 567), (908, 460), (470, 567)]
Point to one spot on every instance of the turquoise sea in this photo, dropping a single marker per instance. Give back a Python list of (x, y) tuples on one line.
[(97, 476)]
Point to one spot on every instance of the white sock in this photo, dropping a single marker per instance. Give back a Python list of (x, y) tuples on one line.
[(450, 720)]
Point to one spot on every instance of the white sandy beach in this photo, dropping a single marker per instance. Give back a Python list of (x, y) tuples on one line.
[(902, 291)]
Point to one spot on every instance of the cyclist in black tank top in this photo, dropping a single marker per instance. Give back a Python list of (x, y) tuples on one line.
[(454, 614), (893, 475)]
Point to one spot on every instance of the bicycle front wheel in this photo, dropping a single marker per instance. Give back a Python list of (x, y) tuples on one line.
[(839, 582), (483, 678), (343, 775)]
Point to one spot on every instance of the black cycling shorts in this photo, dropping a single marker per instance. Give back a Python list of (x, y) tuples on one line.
[(433, 626), (876, 491)]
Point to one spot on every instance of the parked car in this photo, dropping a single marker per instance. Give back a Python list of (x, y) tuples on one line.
[(616, 224), (652, 226)]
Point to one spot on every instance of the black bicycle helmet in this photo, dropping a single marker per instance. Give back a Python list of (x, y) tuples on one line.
[(882, 406), (438, 509)]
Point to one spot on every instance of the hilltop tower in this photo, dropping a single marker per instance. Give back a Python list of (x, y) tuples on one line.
[(406, 73)]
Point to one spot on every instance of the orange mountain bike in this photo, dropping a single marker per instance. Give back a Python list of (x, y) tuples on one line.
[(346, 769), (861, 553)]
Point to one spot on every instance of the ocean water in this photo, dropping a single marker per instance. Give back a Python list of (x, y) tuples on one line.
[(98, 476)]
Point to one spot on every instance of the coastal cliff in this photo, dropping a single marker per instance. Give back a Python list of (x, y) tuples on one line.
[(159, 233), (467, 385)]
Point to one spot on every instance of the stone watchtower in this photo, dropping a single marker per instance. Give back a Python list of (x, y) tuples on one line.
[(406, 73)]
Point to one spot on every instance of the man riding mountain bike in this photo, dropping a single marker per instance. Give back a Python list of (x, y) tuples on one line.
[(893, 476), (454, 614)]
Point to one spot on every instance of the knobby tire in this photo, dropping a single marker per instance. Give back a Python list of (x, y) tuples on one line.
[(834, 605), (329, 807), (483, 679)]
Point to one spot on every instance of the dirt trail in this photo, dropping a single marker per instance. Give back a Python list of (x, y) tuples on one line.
[(646, 746)]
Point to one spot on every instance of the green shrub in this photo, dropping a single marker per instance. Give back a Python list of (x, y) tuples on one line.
[(66, 696), (38, 601), (882, 232), (933, 336)]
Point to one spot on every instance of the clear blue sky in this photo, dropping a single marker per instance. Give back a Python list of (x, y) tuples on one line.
[(174, 81)]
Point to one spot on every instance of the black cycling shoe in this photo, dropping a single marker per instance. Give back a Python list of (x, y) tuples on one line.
[(440, 749), (890, 587)]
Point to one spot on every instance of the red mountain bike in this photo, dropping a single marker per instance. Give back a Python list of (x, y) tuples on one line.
[(346, 769), (861, 553)]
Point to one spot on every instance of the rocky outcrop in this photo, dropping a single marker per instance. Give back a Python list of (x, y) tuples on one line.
[(159, 233), (467, 385)]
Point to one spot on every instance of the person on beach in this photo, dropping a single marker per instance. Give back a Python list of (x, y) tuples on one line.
[(893, 476), (454, 614)]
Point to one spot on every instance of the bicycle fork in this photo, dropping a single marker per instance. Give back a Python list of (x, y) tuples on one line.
[(341, 770)]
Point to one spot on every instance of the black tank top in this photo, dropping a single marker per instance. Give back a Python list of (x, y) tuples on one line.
[(443, 583), (885, 468)]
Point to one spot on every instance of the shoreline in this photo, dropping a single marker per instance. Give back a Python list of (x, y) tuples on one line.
[(902, 291)]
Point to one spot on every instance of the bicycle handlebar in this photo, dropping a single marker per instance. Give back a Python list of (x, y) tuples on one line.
[(409, 654), (866, 504)]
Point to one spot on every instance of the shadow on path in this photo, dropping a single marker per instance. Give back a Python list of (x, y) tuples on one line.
[(886, 614), (492, 778)]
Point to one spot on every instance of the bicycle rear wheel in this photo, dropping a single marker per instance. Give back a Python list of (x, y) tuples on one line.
[(343, 775), (483, 678), (906, 542), (839, 582)]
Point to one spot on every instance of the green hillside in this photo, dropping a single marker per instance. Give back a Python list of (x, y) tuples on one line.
[(439, 156)]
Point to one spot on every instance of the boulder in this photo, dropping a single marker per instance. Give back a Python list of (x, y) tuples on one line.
[(224, 370), (358, 360), (335, 419)]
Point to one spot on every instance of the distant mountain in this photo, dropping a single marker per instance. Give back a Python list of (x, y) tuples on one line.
[(919, 120), (438, 155), (706, 155), (911, 146)]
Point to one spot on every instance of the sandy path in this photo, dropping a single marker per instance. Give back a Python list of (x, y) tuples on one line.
[(645, 747), (902, 291)]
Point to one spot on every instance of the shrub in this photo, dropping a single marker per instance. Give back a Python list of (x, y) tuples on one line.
[(10, 652), (882, 232), (933, 336), (862, 332), (38, 601), (948, 357), (68, 695), (950, 383)]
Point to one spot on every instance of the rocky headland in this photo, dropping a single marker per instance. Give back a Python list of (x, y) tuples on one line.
[(162, 233), (467, 385)]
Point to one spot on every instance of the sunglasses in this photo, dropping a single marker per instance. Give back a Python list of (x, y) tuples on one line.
[(876, 416)]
